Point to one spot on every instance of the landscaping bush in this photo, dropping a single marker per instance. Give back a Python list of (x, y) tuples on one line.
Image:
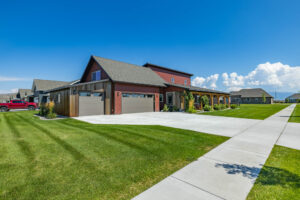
[(227, 106), (298, 100), (175, 109), (207, 108), (233, 106), (222, 106), (191, 110), (47, 110), (217, 107), (166, 108), (204, 100)]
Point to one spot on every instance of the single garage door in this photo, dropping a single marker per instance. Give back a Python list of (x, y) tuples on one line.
[(91, 103), (134, 103)]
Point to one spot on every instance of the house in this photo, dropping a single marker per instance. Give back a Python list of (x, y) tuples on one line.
[(114, 87), (251, 96), (295, 98), (25, 94), (40, 88), (4, 98)]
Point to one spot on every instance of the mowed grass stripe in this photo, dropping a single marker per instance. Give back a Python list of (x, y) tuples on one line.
[(77, 160), (295, 117)]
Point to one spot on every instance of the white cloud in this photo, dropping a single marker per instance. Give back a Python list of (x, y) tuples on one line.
[(14, 90), (4, 79), (267, 75), (210, 81)]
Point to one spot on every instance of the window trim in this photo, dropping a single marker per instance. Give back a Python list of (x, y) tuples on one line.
[(96, 78), (172, 80)]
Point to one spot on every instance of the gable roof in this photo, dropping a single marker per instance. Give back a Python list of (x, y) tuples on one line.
[(253, 92), (25, 92), (168, 69), (43, 85), (128, 73), (294, 96)]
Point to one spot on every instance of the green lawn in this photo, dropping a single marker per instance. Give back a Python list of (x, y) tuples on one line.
[(250, 111), (69, 159), (280, 176), (295, 117)]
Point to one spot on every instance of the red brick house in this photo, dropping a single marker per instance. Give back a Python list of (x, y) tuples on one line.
[(113, 87)]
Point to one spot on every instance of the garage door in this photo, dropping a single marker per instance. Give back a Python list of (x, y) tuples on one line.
[(91, 103), (134, 103)]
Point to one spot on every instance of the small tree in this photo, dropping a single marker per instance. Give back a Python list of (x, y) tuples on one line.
[(189, 102), (287, 100), (264, 99), (204, 100)]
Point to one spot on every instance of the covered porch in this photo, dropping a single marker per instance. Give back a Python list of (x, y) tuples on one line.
[(214, 98)]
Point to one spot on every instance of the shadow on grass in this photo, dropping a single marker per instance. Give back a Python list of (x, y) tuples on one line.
[(267, 175)]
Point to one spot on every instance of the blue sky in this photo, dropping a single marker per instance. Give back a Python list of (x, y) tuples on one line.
[(54, 40)]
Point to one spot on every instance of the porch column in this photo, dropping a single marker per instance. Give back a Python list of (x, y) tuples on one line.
[(229, 101), (212, 100), (218, 97), (201, 104)]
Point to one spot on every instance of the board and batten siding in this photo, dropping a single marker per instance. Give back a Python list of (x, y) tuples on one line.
[(69, 97)]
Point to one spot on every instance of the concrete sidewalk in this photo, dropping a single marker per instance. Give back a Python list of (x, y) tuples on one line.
[(228, 171), (291, 136)]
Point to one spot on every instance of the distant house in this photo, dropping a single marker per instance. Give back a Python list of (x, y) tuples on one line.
[(40, 88), (250, 96), (295, 98), (4, 98), (25, 94)]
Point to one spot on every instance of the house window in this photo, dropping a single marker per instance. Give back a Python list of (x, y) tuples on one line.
[(161, 98), (185, 82), (170, 98), (172, 80), (58, 98), (96, 76)]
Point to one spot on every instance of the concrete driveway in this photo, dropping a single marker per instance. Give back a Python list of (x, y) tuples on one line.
[(226, 126)]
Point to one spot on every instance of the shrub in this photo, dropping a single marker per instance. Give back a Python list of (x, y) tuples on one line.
[(43, 110), (217, 107), (222, 106), (166, 108), (191, 110), (233, 106), (204, 100), (227, 106), (47, 110), (287, 100), (298, 100), (207, 108), (175, 109)]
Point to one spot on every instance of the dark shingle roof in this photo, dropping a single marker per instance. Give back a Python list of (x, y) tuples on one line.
[(129, 73), (43, 85), (254, 92), (197, 89), (294, 96)]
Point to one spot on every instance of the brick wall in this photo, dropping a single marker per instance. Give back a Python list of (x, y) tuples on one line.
[(120, 88)]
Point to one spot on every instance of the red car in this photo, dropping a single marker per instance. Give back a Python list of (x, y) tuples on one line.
[(17, 104)]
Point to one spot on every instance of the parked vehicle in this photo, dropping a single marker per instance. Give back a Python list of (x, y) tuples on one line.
[(17, 104)]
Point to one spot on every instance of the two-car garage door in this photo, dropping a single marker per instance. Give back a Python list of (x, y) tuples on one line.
[(91, 103), (134, 103)]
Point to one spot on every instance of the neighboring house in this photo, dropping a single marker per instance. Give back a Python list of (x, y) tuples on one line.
[(250, 96), (4, 98), (295, 98), (113, 87), (25, 94), (40, 88)]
